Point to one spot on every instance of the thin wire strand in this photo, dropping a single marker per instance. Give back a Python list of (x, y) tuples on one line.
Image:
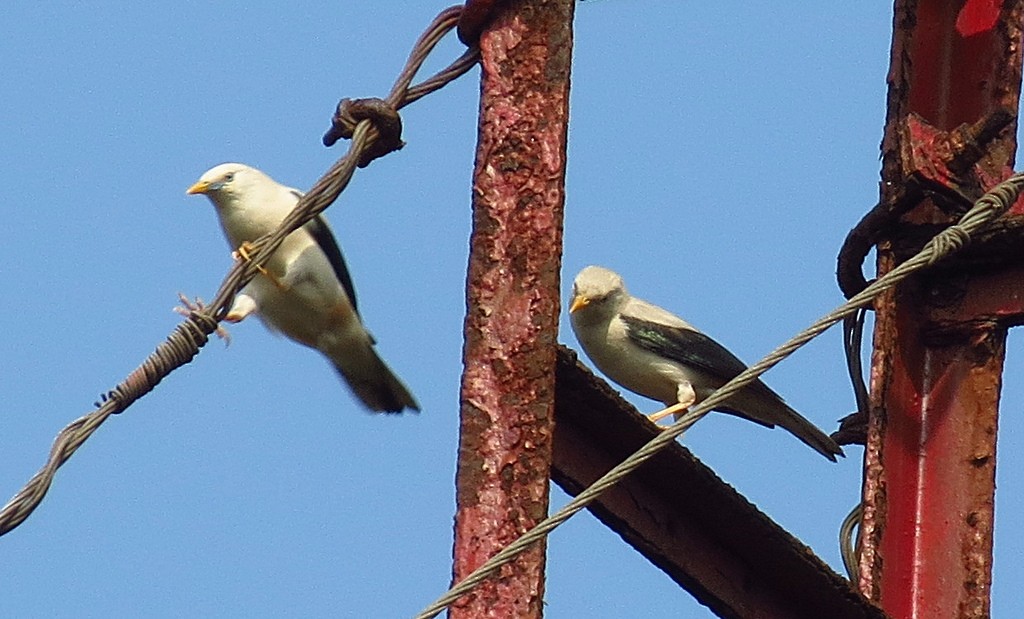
[(188, 337), (849, 542), (853, 337), (988, 207)]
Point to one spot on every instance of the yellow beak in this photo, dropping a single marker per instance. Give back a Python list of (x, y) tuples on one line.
[(578, 303), (200, 187)]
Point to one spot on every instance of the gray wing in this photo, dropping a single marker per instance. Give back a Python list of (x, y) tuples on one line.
[(690, 347), (323, 236)]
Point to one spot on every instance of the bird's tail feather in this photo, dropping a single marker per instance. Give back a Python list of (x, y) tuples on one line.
[(811, 436), (778, 413), (373, 382)]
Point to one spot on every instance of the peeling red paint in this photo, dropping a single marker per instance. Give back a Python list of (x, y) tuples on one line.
[(978, 16), (929, 473), (512, 305)]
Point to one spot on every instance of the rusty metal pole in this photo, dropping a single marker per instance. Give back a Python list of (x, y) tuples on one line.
[(929, 482), (508, 383)]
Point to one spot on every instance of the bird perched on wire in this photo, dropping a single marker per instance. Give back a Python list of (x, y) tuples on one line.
[(656, 354), (304, 290)]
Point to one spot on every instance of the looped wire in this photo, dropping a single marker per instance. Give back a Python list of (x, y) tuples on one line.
[(849, 543), (185, 341), (863, 237), (853, 428)]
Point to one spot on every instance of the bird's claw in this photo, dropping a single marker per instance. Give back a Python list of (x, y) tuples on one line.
[(188, 306), (675, 410), (244, 252)]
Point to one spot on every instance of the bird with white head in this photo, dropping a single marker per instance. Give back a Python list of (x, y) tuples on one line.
[(656, 354), (304, 290)]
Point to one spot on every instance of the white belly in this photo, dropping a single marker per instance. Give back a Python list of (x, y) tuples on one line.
[(639, 370)]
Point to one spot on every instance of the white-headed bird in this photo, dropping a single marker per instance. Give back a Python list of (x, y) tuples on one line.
[(656, 354), (304, 290)]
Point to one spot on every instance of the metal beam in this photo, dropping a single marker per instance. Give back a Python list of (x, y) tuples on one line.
[(929, 480), (678, 514), (508, 384)]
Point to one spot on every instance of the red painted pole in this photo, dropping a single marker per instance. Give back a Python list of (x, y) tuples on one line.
[(508, 385), (929, 481)]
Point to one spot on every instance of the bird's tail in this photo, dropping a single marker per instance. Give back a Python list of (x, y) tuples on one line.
[(800, 427), (373, 382), (769, 409)]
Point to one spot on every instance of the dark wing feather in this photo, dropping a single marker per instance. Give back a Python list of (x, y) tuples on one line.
[(690, 347), (697, 350), (325, 239), (686, 346)]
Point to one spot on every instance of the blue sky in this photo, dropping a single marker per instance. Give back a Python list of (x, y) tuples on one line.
[(718, 154)]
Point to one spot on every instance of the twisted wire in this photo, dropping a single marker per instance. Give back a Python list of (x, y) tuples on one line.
[(188, 337)]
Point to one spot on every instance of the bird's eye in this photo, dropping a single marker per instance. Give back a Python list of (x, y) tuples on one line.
[(230, 176)]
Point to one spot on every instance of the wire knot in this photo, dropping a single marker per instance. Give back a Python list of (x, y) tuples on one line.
[(384, 117), (948, 241)]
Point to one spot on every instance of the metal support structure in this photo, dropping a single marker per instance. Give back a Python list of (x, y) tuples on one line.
[(684, 519), (508, 384), (929, 476)]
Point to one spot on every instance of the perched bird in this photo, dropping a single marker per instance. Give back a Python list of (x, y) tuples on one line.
[(304, 290), (659, 355)]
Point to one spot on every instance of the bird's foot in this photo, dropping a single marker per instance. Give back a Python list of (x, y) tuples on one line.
[(244, 252), (188, 306), (675, 410), (658, 416)]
